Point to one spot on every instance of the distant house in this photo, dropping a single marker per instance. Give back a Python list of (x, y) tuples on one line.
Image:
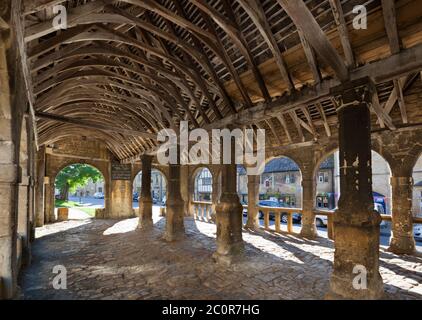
[(282, 180), (417, 199)]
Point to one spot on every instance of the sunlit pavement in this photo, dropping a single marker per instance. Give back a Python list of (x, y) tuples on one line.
[(322, 231), (108, 259)]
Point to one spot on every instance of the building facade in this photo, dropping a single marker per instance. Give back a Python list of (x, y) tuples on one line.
[(158, 185), (282, 180)]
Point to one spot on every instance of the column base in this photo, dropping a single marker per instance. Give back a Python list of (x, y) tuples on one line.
[(173, 237), (402, 245), (230, 246), (340, 288), (309, 232), (145, 215), (356, 258), (229, 259), (308, 229), (175, 228), (251, 225)]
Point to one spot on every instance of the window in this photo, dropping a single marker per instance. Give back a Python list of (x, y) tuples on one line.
[(290, 178), (100, 189), (206, 181), (323, 177)]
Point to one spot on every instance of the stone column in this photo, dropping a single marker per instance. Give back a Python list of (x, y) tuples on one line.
[(214, 197), (8, 208), (402, 240), (23, 220), (253, 199), (145, 199), (175, 229), (229, 216), (185, 190), (121, 199), (49, 200), (39, 188), (356, 223), (309, 229)]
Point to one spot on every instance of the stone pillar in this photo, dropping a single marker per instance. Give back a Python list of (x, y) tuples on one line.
[(49, 200), (23, 221), (185, 190), (39, 188), (145, 199), (309, 229), (8, 177), (402, 240), (121, 199), (214, 197), (229, 216), (253, 199), (356, 223), (175, 229), (8, 192)]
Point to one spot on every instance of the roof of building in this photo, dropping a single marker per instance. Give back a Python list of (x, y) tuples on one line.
[(284, 164)]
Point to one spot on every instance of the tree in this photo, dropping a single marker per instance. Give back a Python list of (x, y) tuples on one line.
[(75, 175)]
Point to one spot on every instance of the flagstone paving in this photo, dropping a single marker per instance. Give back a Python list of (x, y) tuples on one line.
[(108, 259)]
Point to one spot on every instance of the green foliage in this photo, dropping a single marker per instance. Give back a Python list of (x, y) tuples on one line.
[(76, 175)]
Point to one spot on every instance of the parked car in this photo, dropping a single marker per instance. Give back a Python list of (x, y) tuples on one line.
[(99, 195), (321, 221), (275, 204), (135, 196), (417, 232)]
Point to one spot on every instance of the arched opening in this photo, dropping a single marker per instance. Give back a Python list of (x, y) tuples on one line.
[(81, 189), (279, 187), (203, 185), (417, 202), (242, 184), (327, 175), (158, 188), (203, 194)]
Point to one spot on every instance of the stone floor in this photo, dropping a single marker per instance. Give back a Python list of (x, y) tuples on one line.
[(112, 260)]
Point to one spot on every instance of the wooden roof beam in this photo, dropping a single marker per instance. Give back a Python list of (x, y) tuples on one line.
[(87, 124), (303, 19)]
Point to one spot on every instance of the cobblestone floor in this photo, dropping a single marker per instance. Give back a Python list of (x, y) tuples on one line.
[(112, 260)]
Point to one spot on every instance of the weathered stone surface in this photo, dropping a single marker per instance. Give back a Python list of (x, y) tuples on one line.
[(356, 223), (175, 229), (145, 199), (402, 241)]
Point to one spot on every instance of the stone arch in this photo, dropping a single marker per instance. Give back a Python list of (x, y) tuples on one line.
[(417, 187), (194, 180), (298, 192), (98, 166), (386, 191), (162, 172)]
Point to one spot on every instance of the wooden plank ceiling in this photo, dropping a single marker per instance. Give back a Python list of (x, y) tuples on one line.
[(123, 70)]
